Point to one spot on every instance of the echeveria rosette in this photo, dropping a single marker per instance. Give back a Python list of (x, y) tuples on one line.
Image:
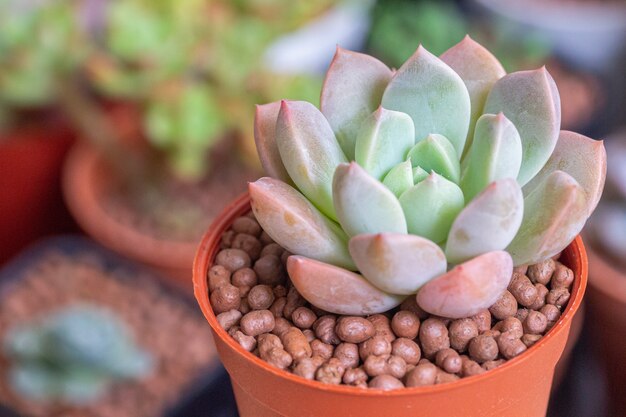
[(435, 179)]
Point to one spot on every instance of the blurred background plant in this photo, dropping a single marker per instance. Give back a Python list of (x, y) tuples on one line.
[(194, 69), (40, 41), (73, 355)]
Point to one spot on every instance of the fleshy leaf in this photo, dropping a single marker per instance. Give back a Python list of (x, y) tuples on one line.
[(419, 175), (337, 290), (489, 223), (397, 263), (582, 158), (436, 153), (433, 95), (310, 152), (531, 101), (496, 153), (265, 140), (479, 70), (363, 204), (469, 287), (400, 178), (383, 141), (554, 213), (431, 206), (352, 90), (293, 222)]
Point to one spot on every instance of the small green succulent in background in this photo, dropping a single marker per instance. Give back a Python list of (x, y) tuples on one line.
[(458, 173), (73, 355), (397, 25), (40, 41)]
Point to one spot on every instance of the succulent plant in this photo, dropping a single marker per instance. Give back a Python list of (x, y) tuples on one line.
[(39, 42), (73, 355), (434, 179)]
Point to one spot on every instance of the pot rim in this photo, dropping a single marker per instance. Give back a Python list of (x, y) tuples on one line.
[(241, 205), (82, 181)]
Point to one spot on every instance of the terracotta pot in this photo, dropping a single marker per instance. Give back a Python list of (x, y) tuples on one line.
[(607, 310), (86, 178), (31, 206), (520, 387)]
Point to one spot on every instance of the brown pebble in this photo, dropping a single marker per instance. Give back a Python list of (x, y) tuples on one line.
[(552, 314), (294, 300), (542, 272), (260, 297), (354, 329), (520, 269), (257, 322), (265, 238), (249, 244), (449, 360), (444, 377), (382, 326), (510, 345), (530, 339), (322, 349), (247, 342), (540, 301), (471, 368), (244, 276), (324, 328), (433, 336), (405, 324), (356, 377), (376, 365), (512, 325), (303, 317), (385, 383), (483, 320), (246, 225), (489, 365), (407, 349), (244, 307), (310, 334), (233, 259), (307, 367), (483, 348), (558, 297), (505, 306), (269, 270), (330, 372), (218, 276), (225, 298), (228, 319), (272, 249), (280, 291), (295, 343), (461, 332), (563, 277), (348, 354), (377, 345), (422, 375), (281, 325), (535, 323), (521, 314), (523, 290), (227, 239), (278, 306)]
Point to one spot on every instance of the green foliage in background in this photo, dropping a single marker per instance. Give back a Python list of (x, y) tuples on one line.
[(39, 41), (399, 26), (73, 355)]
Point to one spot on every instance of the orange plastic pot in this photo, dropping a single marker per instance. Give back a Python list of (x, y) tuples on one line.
[(86, 179), (607, 310), (31, 205), (519, 388)]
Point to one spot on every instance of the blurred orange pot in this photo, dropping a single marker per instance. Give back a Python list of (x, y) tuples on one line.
[(31, 206), (519, 388), (607, 310), (86, 179)]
